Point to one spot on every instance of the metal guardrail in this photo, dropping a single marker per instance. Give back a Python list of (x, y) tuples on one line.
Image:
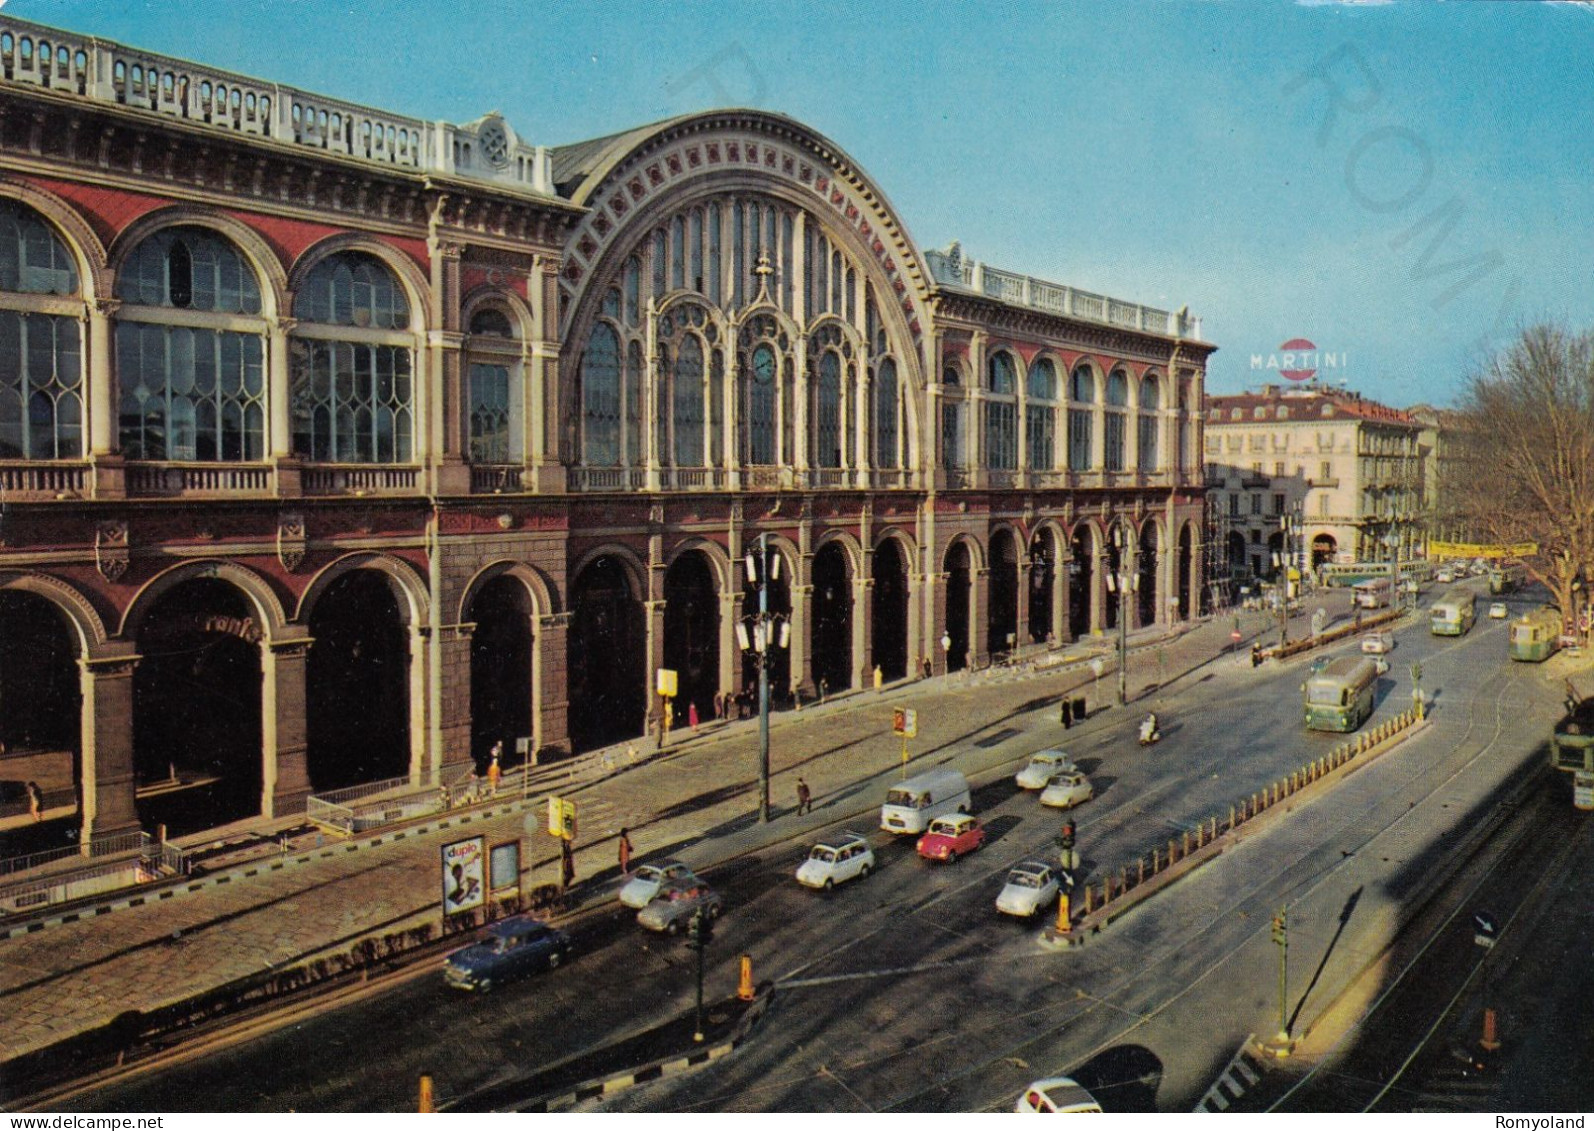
[(142, 860), (98, 847)]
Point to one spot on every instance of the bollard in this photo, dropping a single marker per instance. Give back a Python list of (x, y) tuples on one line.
[(1231, 818), (1090, 898), (426, 1105), (1155, 868), (1186, 842), (1123, 880), (1491, 1038), (1214, 835), (1064, 925), (744, 990), (1141, 864)]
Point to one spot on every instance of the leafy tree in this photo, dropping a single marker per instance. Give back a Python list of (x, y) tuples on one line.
[(1524, 470)]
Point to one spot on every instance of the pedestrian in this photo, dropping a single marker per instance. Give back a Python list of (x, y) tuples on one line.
[(805, 799), (1256, 653), (567, 863), (691, 715), (1066, 715), (928, 667), (36, 801), (719, 704), (625, 852), (494, 770)]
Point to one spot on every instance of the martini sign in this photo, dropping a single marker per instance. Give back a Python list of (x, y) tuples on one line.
[(1298, 360)]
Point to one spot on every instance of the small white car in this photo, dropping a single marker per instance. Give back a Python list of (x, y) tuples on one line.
[(1498, 611), (1057, 1093), (1031, 886), (847, 857), (1044, 765), (647, 879), (1377, 643), (1445, 576), (1067, 790)]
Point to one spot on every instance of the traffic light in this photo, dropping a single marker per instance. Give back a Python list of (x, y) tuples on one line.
[(1281, 928), (700, 931), (1068, 834)]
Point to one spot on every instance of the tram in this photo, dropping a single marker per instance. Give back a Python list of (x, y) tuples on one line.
[(1505, 579), (1454, 615), (1536, 636), (1572, 750)]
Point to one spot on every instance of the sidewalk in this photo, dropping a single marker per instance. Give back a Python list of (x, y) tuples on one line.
[(696, 799)]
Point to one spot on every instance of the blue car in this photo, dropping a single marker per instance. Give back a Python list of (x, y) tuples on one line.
[(512, 948)]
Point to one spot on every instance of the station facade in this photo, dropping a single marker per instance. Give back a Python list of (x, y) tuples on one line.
[(337, 446)]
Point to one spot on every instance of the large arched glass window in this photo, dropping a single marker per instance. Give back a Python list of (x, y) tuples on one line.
[(1081, 409), (689, 403), (1150, 421), (600, 398), (888, 399), (189, 391), (1001, 414), (353, 396), (1040, 415), (827, 420), (761, 400), (494, 388), (41, 355), (1117, 403)]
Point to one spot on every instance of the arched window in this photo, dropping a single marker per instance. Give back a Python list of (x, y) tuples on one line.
[(1150, 423), (760, 405), (1001, 415), (187, 391), (827, 420), (41, 355), (887, 450), (1117, 402), (689, 403), (353, 400), (493, 395), (1081, 409), (600, 398), (1040, 415)]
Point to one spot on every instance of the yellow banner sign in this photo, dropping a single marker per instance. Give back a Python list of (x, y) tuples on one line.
[(1481, 550)]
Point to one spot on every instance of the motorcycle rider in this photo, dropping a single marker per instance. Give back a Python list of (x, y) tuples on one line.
[(1148, 730)]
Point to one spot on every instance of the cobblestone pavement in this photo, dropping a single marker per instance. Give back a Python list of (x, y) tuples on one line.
[(696, 799)]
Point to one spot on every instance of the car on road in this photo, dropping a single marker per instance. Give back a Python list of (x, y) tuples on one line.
[(512, 948), (647, 879), (1067, 790), (1377, 643), (835, 861), (1043, 766), (951, 837), (1057, 1093), (1445, 576), (1498, 611), (672, 909), (1030, 887)]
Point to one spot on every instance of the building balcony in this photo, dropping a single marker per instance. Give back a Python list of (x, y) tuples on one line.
[(359, 479), (496, 479), (26, 481), (172, 480)]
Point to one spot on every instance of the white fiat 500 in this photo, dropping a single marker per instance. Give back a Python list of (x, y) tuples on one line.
[(847, 857), (1044, 765), (1067, 790), (1030, 886), (647, 879)]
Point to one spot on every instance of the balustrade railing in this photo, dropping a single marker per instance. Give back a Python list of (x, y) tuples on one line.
[(43, 480), (495, 479), (170, 479), (359, 479)]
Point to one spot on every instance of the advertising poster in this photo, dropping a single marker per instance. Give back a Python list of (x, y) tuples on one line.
[(463, 884), (504, 867)]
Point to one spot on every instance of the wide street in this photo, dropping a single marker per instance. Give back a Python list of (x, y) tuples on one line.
[(907, 990)]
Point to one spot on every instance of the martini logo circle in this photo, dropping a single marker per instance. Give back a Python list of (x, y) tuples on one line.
[(1298, 359)]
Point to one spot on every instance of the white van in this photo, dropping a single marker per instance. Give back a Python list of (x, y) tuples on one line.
[(913, 804)]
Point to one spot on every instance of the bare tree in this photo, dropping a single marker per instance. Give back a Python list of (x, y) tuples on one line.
[(1525, 466)]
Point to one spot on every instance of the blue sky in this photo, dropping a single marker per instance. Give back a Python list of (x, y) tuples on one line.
[(1169, 153)]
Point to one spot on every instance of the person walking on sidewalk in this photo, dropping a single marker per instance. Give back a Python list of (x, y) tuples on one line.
[(35, 801), (1066, 714), (567, 864), (691, 715), (625, 852), (805, 799), (494, 770), (928, 667)]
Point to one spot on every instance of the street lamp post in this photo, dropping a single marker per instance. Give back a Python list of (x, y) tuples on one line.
[(760, 641), (946, 653), (1286, 562), (1125, 579)]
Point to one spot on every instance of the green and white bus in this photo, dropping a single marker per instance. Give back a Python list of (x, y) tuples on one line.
[(1536, 636), (1340, 696), (1454, 615)]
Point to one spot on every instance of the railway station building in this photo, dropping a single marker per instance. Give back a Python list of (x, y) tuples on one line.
[(338, 446)]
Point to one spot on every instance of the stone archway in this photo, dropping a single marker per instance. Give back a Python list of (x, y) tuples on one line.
[(959, 590), (1324, 550), (1147, 555), (1187, 597), (608, 650), (41, 718), (831, 634), (1042, 584), (1002, 617), (888, 629), (1081, 581), (360, 657), (692, 634), (503, 697), (197, 708)]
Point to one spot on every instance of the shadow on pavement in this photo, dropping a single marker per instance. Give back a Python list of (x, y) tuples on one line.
[(1124, 1078)]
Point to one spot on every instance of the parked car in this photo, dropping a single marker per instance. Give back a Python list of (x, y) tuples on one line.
[(1057, 1093), (672, 909), (1043, 766), (511, 948), (647, 879), (1498, 611), (1067, 790), (847, 857), (1030, 886), (1378, 643), (951, 837)]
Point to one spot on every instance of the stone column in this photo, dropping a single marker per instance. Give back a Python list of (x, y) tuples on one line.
[(863, 631), (283, 738), (1022, 598), (730, 673), (550, 684), (109, 787), (801, 651), (109, 480), (454, 655), (980, 615), (1098, 590)]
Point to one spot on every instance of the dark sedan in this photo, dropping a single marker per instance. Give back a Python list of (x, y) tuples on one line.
[(512, 948)]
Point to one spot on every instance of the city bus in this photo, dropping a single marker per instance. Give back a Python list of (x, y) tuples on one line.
[(1572, 750), (1340, 696), (1374, 593), (1505, 579), (1454, 615), (1536, 636)]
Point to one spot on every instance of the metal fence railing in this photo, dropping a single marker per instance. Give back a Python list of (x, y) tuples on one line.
[(126, 860), (100, 846)]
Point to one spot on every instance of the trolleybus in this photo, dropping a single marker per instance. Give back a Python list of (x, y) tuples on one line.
[(1572, 750), (1454, 615), (1374, 593), (1340, 696), (1505, 579), (1536, 636)]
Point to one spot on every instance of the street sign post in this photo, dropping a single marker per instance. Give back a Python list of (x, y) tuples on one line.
[(561, 818), (905, 722)]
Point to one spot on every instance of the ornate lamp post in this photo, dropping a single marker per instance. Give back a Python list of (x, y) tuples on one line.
[(759, 634)]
